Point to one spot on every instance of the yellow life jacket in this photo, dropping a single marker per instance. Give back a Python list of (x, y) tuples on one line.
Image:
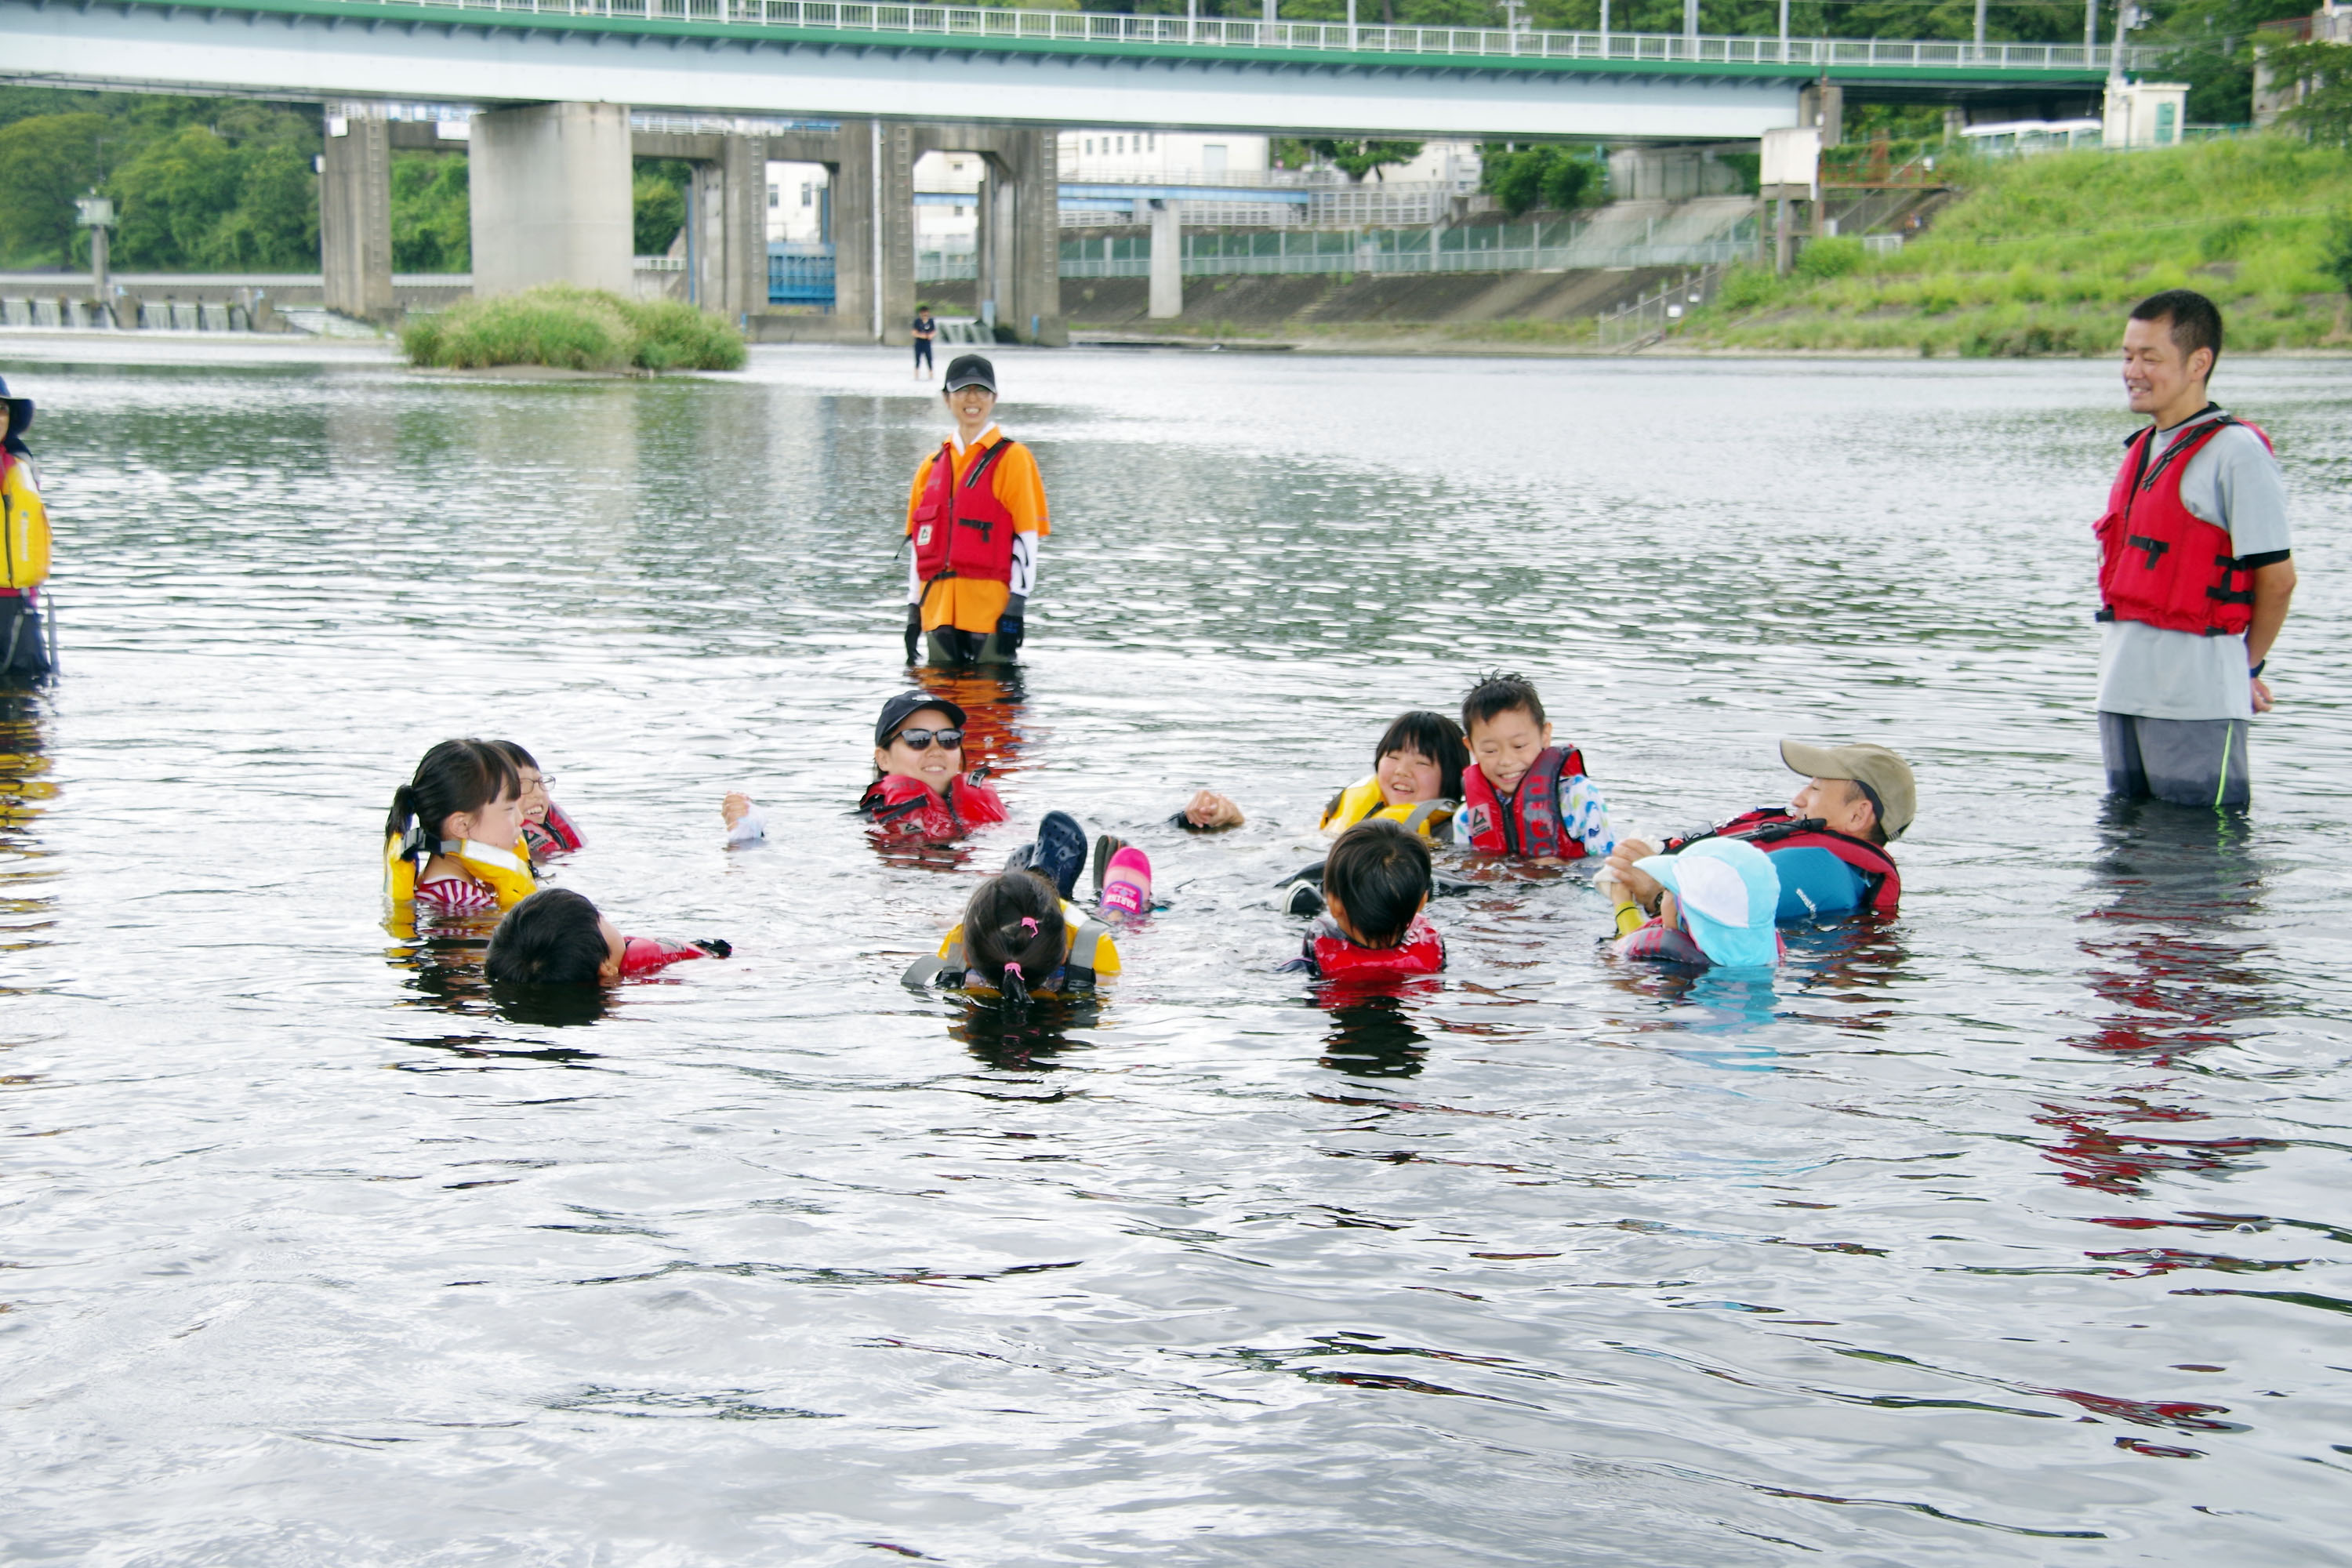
[(1362, 801), (1088, 955), (503, 871), (24, 524)]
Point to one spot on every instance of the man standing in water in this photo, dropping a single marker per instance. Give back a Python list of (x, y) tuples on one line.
[(976, 514), (924, 329), (2194, 571)]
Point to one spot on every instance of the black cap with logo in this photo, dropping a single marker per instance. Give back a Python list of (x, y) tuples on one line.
[(970, 370)]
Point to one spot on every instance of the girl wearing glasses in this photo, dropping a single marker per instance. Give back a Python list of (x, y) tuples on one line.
[(546, 831), (919, 788)]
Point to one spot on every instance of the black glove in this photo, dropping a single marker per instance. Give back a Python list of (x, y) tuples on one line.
[(1008, 634), (716, 947), (914, 629)]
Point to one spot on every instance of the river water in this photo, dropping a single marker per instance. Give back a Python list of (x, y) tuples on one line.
[(2016, 1231)]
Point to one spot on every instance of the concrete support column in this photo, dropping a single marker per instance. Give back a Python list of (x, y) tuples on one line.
[(743, 201), (551, 198), (993, 210), (1035, 262), (1822, 103), (897, 219), (355, 217), (1166, 261)]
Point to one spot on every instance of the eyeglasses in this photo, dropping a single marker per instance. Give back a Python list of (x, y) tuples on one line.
[(920, 739)]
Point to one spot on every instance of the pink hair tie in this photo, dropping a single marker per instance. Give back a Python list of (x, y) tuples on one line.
[(1029, 924), (1013, 972)]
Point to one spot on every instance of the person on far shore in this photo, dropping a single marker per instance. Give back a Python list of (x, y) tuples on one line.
[(2195, 571), (1828, 845), (976, 514), (925, 329)]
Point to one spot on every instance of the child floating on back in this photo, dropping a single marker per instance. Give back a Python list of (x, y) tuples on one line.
[(1416, 780), (920, 786), (1719, 899), (1018, 939), (1376, 884), (1525, 797), (558, 938), (450, 838)]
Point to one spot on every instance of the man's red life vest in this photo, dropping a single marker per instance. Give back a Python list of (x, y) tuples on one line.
[(2158, 562), (1772, 830), (1423, 951), (963, 530), (906, 804), (1530, 825)]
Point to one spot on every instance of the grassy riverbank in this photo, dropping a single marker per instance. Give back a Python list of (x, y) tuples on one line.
[(2043, 256), (573, 329)]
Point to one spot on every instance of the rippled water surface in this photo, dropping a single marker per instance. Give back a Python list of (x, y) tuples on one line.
[(2018, 1230)]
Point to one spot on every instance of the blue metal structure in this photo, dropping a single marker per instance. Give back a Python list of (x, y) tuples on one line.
[(800, 273)]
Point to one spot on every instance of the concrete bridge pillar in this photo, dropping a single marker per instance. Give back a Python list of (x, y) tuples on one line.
[(1166, 261), (551, 198), (355, 217), (1020, 227)]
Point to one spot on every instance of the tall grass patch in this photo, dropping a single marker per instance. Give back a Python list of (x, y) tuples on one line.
[(2043, 254), (573, 329)]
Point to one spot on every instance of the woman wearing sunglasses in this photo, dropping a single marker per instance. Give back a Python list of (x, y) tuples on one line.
[(919, 788)]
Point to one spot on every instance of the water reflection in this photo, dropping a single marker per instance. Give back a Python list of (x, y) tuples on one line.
[(1029, 1040), (1373, 1033), (28, 907), (2176, 970)]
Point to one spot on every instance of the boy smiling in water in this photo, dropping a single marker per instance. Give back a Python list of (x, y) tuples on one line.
[(1524, 796)]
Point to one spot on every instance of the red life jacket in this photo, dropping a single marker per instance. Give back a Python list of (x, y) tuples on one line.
[(2158, 562), (904, 805), (1771, 829), (1423, 951), (963, 530), (556, 836), (1530, 824)]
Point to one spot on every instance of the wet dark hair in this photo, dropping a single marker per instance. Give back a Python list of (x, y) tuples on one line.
[(1497, 694), (456, 777), (2196, 321), (1434, 736), (518, 756), (551, 938), (1013, 934), (1379, 874)]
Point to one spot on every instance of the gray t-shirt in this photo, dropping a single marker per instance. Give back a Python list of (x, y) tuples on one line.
[(2233, 482)]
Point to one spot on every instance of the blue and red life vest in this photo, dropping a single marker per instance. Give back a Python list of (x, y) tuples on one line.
[(2158, 562), (1528, 823), (904, 805), (1771, 829), (963, 530), (1329, 949)]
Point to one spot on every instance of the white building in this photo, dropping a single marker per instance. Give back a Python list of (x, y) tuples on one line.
[(798, 201), (1134, 157)]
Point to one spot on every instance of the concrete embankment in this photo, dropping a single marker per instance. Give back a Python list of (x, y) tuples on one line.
[(1522, 309)]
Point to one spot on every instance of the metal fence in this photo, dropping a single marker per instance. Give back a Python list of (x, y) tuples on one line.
[(1559, 246), (1647, 319), (946, 24)]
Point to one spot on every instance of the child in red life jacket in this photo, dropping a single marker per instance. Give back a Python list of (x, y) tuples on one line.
[(556, 937), (546, 831), (1525, 797), (1375, 883), (919, 789)]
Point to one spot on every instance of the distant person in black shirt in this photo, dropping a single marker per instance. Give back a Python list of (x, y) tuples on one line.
[(924, 328)]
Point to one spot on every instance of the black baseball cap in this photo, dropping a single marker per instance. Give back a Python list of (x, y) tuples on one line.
[(970, 370), (904, 706)]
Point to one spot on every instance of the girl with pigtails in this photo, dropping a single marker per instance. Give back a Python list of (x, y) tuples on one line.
[(1019, 939), (451, 836)]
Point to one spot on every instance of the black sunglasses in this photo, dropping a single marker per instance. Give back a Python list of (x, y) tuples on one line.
[(920, 739)]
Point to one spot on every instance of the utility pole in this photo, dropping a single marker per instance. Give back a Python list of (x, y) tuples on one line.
[(96, 214), (1980, 11), (1690, 24), (1271, 8), (2090, 27)]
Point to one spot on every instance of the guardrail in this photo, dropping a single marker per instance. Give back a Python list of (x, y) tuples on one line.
[(950, 26)]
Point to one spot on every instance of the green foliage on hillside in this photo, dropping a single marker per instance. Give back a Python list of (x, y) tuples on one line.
[(431, 214), (2044, 255), (659, 192), (1558, 179), (573, 329), (199, 183)]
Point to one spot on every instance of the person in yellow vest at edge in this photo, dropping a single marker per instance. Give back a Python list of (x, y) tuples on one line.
[(24, 547), (975, 516)]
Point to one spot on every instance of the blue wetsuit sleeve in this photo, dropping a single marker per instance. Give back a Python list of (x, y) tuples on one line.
[(1817, 885), (1584, 814)]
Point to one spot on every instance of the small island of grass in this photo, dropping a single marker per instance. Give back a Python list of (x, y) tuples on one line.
[(568, 327)]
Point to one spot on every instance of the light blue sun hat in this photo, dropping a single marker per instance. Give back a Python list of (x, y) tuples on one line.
[(1729, 895)]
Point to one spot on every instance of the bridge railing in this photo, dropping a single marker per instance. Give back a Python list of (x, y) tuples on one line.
[(948, 23)]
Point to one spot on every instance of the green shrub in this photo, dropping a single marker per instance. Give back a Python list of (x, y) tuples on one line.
[(1747, 288), (573, 329), (2335, 253), (1831, 258)]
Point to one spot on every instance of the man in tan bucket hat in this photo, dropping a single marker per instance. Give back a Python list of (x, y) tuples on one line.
[(1828, 844)]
